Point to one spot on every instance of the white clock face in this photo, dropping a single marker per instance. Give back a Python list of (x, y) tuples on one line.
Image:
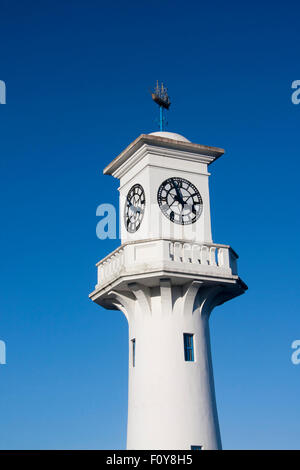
[(134, 208), (180, 201)]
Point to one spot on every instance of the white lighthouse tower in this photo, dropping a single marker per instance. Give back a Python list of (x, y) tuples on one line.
[(166, 277)]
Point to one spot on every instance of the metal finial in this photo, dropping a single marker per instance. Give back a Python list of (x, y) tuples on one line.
[(160, 97)]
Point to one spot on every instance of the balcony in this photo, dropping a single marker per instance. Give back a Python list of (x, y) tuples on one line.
[(148, 259)]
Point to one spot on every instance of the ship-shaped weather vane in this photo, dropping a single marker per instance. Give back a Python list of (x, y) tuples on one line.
[(160, 96)]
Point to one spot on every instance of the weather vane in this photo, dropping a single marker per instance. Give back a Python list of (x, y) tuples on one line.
[(160, 96)]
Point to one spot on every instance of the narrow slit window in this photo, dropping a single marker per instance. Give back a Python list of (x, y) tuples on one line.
[(188, 341), (133, 352), (196, 447)]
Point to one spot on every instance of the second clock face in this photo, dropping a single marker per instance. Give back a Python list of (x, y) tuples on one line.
[(134, 208), (180, 201)]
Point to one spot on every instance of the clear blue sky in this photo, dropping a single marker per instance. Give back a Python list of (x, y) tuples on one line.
[(78, 75)]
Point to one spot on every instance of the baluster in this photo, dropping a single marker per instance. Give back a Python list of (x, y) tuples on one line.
[(187, 253), (223, 257), (113, 264), (177, 251), (171, 251), (212, 256), (121, 259), (100, 273), (196, 257), (109, 267), (204, 255), (104, 267), (116, 263)]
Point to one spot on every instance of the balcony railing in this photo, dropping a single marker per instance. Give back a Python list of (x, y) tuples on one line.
[(150, 255)]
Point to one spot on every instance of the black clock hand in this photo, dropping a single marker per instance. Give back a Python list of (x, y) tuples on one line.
[(191, 206), (178, 192), (133, 207), (181, 198)]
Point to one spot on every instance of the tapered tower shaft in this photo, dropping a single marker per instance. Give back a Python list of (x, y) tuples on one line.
[(171, 389)]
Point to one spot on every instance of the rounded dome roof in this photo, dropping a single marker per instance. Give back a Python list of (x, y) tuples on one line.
[(170, 135)]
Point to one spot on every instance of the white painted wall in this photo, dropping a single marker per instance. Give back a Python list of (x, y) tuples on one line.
[(150, 172), (171, 401)]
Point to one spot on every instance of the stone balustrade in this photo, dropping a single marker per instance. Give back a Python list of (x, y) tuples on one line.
[(149, 255)]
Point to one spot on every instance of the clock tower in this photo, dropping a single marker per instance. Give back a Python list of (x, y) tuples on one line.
[(166, 277)]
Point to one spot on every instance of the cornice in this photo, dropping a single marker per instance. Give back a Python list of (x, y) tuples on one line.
[(154, 145)]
